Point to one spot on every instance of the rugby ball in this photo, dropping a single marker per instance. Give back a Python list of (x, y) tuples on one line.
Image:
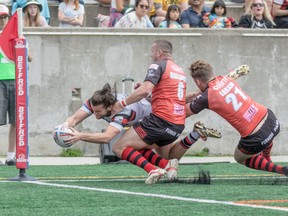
[(60, 135)]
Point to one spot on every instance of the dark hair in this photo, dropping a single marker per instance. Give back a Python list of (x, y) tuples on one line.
[(172, 7), (217, 4), (164, 45), (138, 1), (104, 96)]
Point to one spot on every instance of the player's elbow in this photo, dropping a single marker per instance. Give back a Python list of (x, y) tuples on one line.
[(108, 136), (146, 88), (146, 92), (107, 139)]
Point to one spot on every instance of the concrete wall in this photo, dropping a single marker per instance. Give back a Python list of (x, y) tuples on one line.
[(87, 58)]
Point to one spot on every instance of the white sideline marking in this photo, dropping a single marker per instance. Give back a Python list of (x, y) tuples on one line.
[(141, 179), (163, 196), (126, 178)]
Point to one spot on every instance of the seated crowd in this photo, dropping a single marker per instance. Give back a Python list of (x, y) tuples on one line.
[(194, 13), (159, 13)]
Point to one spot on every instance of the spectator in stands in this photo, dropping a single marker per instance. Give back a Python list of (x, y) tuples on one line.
[(172, 17), (71, 13), (117, 10), (32, 16), (257, 15), (159, 9), (268, 2), (21, 3), (217, 18), (193, 16), (280, 13), (135, 18)]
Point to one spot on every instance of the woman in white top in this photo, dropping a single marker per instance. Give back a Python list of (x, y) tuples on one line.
[(70, 13), (32, 16), (135, 19)]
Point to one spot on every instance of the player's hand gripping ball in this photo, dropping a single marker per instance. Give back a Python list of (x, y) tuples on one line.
[(60, 135)]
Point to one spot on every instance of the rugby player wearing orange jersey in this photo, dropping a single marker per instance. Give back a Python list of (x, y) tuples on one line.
[(167, 82), (256, 124)]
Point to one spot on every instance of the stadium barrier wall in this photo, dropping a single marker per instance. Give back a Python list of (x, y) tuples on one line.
[(87, 58)]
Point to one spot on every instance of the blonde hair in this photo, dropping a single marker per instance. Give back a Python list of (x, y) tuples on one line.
[(28, 19), (266, 12)]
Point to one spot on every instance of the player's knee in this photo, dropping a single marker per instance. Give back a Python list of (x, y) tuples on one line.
[(239, 156), (117, 150), (237, 159), (114, 149)]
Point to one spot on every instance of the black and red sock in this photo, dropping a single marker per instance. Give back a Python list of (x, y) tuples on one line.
[(259, 162), (154, 158), (136, 158), (266, 152), (189, 140)]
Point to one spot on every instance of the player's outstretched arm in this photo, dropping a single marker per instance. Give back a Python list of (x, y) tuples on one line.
[(141, 92), (233, 74), (95, 138), (76, 118)]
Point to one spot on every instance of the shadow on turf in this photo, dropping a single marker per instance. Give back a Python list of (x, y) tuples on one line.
[(273, 180), (202, 178), (205, 178)]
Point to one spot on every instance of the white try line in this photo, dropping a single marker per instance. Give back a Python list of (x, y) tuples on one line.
[(140, 178), (163, 196)]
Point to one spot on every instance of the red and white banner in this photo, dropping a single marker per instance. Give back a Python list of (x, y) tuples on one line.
[(13, 46), (22, 147), (8, 35)]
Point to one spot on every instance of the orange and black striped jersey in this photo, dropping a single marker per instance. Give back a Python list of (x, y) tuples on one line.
[(224, 96), (169, 92)]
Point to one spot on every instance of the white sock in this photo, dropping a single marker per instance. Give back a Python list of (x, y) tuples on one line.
[(10, 155), (195, 135)]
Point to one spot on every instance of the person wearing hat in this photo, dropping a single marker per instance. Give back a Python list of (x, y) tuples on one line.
[(7, 92), (32, 16), (21, 3), (4, 16)]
